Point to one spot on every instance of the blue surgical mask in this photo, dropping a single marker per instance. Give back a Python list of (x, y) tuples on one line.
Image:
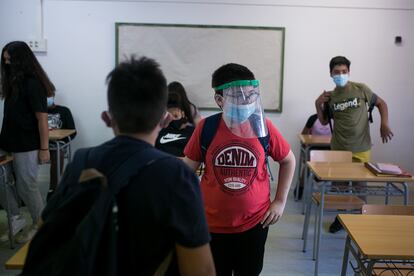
[(341, 79), (50, 101), (239, 113)]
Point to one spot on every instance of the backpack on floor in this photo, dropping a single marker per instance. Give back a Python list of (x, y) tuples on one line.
[(79, 237)]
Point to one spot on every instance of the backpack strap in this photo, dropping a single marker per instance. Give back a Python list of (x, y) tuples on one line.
[(329, 115), (80, 162), (208, 132), (371, 107), (119, 178)]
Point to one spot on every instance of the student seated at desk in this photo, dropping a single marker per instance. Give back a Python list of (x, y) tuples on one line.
[(175, 136), (313, 127), (59, 117)]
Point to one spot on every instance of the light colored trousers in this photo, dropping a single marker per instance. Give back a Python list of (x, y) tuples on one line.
[(26, 168)]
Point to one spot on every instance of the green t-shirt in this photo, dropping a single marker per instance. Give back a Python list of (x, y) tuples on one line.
[(349, 107)]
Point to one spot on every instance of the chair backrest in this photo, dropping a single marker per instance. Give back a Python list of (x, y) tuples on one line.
[(330, 156), (373, 209)]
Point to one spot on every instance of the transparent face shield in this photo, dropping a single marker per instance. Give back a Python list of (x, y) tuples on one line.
[(242, 108)]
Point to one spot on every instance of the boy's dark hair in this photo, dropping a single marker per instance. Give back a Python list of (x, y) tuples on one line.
[(23, 64), (339, 60), (177, 88), (137, 95), (230, 72)]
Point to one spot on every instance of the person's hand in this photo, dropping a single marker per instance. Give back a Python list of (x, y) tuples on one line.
[(274, 213), (44, 156), (386, 133), (323, 98)]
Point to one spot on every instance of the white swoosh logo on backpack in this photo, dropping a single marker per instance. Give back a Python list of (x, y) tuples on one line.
[(170, 138)]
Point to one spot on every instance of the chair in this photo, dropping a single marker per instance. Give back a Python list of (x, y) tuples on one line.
[(402, 210), (332, 202)]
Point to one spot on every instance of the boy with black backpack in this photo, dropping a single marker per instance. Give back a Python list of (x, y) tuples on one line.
[(350, 105), (149, 208), (234, 146)]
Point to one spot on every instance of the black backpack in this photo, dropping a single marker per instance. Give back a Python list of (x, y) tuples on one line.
[(79, 237), (209, 131)]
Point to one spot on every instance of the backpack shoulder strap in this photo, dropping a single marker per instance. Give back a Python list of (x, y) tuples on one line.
[(371, 107), (208, 132), (329, 114), (79, 162), (132, 166), (264, 141)]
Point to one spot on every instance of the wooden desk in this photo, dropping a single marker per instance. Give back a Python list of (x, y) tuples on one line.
[(372, 238), (57, 143), (315, 140), (323, 173), (59, 134), (17, 260), (307, 143)]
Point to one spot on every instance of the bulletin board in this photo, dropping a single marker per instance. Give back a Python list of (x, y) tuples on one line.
[(191, 53)]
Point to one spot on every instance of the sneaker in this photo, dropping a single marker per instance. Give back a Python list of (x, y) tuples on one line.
[(27, 235), (335, 226), (17, 223)]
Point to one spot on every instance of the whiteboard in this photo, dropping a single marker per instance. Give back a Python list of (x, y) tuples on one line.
[(191, 53)]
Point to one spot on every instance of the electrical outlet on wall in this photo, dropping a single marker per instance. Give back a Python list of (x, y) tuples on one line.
[(37, 45)]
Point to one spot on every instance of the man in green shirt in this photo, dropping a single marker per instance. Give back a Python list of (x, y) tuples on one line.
[(347, 104)]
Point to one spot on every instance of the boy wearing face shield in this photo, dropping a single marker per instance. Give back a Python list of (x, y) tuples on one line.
[(348, 105), (236, 186)]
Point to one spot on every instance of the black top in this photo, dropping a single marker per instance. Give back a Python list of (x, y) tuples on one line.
[(173, 140), (161, 206), (20, 130), (60, 116)]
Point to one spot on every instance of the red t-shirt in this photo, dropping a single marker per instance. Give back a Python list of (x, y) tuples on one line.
[(235, 185)]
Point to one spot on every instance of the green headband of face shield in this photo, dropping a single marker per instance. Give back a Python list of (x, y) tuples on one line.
[(237, 83)]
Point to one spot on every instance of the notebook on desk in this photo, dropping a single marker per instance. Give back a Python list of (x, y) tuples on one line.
[(386, 169)]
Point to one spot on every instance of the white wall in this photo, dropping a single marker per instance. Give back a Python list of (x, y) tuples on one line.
[(81, 52)]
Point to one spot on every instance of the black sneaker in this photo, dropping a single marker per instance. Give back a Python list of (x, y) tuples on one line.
[(335, 226)]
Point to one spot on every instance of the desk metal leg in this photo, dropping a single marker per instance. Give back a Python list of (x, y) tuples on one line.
[(405, 187), (58, 160), (307, 199), (306, 178), (387, 193), (346, 255), (299, 173), (319, 234), (370, 267), (315, 235)]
